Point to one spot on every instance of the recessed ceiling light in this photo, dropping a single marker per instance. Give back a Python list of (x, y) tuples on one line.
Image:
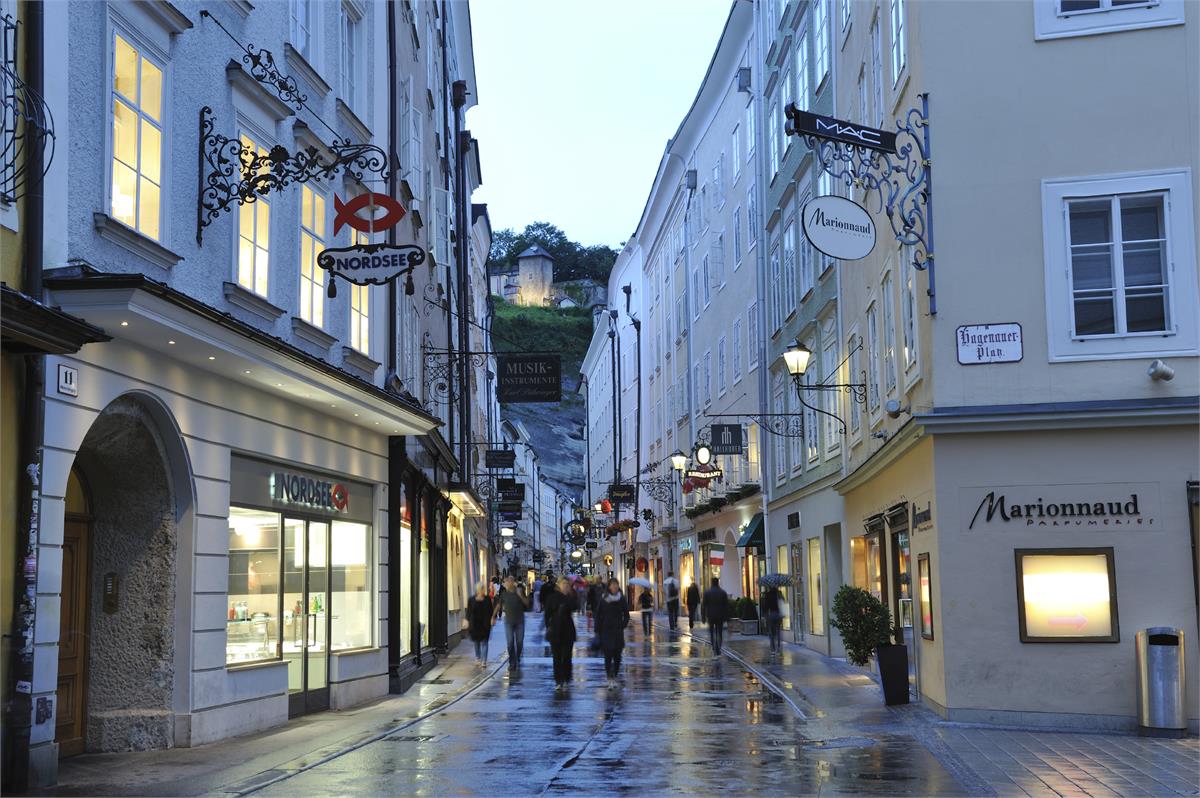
[(279, 385), (333, 405), (212, 357), (172, 343), (247, 371), (377, 423), (124, 324), (356, 415)]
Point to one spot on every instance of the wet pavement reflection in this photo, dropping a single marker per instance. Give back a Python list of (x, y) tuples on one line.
[(682, 722)]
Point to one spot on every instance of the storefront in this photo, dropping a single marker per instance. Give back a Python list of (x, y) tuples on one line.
[(687, 562), (806, 530)]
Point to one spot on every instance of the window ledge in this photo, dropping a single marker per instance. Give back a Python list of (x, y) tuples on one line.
[(307, 71), (243, 7), (170, 18), (312, 333), (357, 360), (248, 300), (254, 92), (350, 118), (137, 243)]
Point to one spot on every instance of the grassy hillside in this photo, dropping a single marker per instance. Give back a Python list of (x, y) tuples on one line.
[(531, 329)]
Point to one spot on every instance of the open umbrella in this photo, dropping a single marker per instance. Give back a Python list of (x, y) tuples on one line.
[(670, 580), (637, 580), (775, 580)]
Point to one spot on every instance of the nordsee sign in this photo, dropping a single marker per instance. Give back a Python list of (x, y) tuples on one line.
[(839, 227), (371, 263)]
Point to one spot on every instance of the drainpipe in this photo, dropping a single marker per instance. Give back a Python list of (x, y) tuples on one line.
[(393, 149), (20, 710), (760, 257)]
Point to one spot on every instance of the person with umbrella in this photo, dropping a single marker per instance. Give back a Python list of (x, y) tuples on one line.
[(612, 616), (672, 587), (693, 604), (645, 602)]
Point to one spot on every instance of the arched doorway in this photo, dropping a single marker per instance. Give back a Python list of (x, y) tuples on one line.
[(118, 624)]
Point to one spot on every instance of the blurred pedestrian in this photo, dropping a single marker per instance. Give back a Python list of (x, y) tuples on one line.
[(693, 604), (480, 617), (612, 616), (512, 605), (646, 602), (537, 594), (771, 611), (716, 609), (594, 592), (672, 586), (560, 630), (546, 590)]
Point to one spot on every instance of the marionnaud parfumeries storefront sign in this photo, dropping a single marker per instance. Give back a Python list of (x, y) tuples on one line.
[(257, 483), (1090, 507), (838, 227)]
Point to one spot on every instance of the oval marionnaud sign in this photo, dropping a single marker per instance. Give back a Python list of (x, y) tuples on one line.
[(838, 227), (371, 263)]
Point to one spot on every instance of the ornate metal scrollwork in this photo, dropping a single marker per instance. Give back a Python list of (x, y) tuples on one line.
[(785, 425), (662, 489), (263, 69), (901, 184), (235, 175), (26, 124), (441, 365)]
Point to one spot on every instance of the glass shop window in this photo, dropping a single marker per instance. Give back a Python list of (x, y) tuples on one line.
[(350, 564), (252, 625)]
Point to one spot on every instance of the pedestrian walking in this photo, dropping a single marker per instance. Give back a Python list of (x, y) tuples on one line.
[(512, 605), (536, 594), (716, 609), (693, 604), (480, 611), (612, 616), (560, 630), (646, 602), (672, 586), (594, 593), (547, 589), (771, 599)]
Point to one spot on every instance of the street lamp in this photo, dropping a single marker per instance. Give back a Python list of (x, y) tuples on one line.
[(796, 358), (507, 531), (678, 460), (703, 454), (508, 544)]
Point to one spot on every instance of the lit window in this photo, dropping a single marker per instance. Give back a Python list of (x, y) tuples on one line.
[(816, 589), (899, 46), (312, 241), (136, 139), (1067, 595), (254, 228), (360, 307)]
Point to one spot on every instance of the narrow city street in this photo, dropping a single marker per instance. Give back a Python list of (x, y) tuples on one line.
[(684, 722)]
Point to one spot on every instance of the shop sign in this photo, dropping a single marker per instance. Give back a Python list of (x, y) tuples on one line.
[(364, 264), (256, 483), (1085, 506), (989, 343), (828, 127), (838, 227), (622, 493), (591, 544), (727, 439), (509, 490), (705, 474), (685, 544), (499, 458), (706, 535), (309, 492), (922, 518), (528, 378)]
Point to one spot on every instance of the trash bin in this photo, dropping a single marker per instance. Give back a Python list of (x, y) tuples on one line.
[(1161, 683)]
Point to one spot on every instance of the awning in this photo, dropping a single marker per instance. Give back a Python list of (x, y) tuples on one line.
[(752, 538)]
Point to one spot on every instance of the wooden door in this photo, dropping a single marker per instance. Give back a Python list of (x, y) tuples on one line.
[(71, 726)]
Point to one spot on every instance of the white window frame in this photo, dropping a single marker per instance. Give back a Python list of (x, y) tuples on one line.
[(735, 348), (736, 144), (909, 312), (154, 51), (1179, 217), (822, 55), (773, 139), (874, 393), (318, 278), (779, 451), (788, 268), (361, 318), (350, 73), (832, 443), (877, 70), (722, 371), (737, 237), (898, 25), (887, 297), (854, 366), (812, 443), (803, 70), (708, 393), (1050, 23), (796, 444), (752, 311), (751, 130), (312, 32), (776, 261), (264, 145)]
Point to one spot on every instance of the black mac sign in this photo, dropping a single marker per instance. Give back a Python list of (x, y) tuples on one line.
[(726, 438), (529, 378), (827, 127)]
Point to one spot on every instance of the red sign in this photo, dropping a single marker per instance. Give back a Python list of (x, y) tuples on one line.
[(346, 213), (642, 564)]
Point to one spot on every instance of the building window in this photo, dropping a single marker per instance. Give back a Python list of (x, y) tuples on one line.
[(303, 24), (351, 53), (752, 336), (737, 237), (735, 343), (780, 448), (1054, 19), (899, 45), (864, 111), (872, 359), (845, 13), (1119, 255), (796, 444), (708, 378), (751, 217), (1067, 595), (360, 307), (776, 290), (718, 261), (816, 589), (829, 368), (826, 188), (312, 241), (908, 308), (750, 130), (889, 335), (773, 138), (789, 269), (254, 230), (821, 37), (735, 143), (855, 366), (137, 139), (812, 427), (807, 272), (877, 71), (721, 384), (706, 272)]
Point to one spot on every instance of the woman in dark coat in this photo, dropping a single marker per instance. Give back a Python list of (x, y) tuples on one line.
[(479, 622), (560, 631), (612, 616)]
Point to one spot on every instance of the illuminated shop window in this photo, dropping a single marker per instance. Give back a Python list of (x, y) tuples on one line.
[(1067, 595), (137, 150)]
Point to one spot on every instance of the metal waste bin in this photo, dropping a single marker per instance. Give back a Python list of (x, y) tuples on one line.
[(1161, 684)]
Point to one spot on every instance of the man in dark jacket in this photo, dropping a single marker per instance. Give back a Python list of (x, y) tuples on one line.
[(771, 599), (612, 616), (693, 604), (672, 587), (716, 609), (547, 590), (560, 630)]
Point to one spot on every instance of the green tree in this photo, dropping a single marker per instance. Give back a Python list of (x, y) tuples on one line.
[(864, 622), (572, 261)]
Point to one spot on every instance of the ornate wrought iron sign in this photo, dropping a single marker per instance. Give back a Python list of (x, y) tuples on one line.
[(347, 213), (28, 129), (377, 264), (838, 227)]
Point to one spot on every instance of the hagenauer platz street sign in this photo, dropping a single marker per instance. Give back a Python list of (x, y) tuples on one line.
[(827, 127), (838, 227)]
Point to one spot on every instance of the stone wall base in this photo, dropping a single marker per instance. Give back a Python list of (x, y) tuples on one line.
[(210, 725)]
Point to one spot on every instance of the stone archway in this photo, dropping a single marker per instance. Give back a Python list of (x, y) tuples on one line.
[(131, 588)]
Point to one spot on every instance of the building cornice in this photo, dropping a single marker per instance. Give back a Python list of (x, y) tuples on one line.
[(893, 449), (1159, 411)]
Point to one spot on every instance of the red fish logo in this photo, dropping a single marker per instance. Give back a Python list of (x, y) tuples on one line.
[(346, 213), (340, 496)]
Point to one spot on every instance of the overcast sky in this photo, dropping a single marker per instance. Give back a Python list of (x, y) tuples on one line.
[(577, 99)]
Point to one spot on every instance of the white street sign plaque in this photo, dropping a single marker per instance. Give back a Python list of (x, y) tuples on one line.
[(989, 343), (838, 227)]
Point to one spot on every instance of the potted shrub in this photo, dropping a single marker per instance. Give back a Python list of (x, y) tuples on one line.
[(866, 628), (749, 616)]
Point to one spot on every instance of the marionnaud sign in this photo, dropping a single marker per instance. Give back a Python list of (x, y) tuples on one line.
[(839, 227), (989, 343), (827, 127), (371, 263)]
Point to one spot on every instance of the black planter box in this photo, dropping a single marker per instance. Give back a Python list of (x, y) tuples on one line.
[(893, 673)]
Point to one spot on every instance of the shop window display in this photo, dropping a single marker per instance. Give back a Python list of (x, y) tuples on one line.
[(252, 626)]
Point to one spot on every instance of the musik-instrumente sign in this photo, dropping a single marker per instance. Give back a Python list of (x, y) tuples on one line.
[(838, 227), (528, 378)]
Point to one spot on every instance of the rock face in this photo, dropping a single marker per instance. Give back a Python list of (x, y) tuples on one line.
[(557, 432)]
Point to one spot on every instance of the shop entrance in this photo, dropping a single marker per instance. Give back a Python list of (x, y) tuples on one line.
[(306, 614), (71, 727)]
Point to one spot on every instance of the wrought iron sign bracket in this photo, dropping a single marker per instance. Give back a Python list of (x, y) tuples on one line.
[(28, 131), (441, 385), (901, 181), (785, 425), (662, 489)]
